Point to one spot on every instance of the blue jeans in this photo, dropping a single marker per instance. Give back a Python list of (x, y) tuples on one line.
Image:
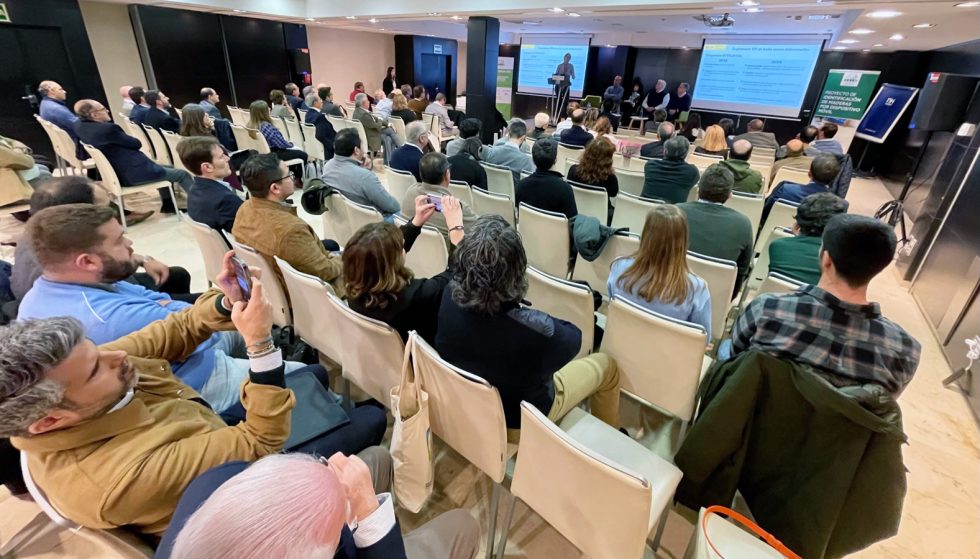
[(223, 388)]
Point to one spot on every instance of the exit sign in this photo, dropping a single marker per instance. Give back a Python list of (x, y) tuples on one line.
[(436, 48), (4, 16)]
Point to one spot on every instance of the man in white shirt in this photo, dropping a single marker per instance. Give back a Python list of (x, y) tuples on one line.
[(567, 123), (382, 105)]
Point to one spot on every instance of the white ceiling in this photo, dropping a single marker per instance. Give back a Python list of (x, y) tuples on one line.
[(664, 23)]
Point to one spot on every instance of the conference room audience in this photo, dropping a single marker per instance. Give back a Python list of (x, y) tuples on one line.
[(716, 230), (438, 107), (329, 108), (595, 168), (747, 179), (159, 116), (196, 122), (359, 88), (566, 123), (399, 108), (265, 223), (798, 256), (823, 171), (419, 100), (655, 149), (511, 153), (541, 121), (407, 157), (373, 127), (608, 112), (670, 179), (389, 84), (260, 119), (656, 277), (794, 157), (714, 142), (604, 129), (294, 99), (523, 352), (211, 201), (728, 125), (434, 168), (832, 326), (469, 128), (209, 102), (466, 164), (757, 137), (378, 283), (280, 106), (680, 102), (825, 142), (807, 135), (545, 189), (576, 134), (138, 95), (614, 94), (692, 128), (324, 131), (346, 173), (127, 101), (382, 104)]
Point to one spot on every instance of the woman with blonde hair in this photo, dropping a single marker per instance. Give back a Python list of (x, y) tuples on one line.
[(714, 142), (399, 107), (656, 277)]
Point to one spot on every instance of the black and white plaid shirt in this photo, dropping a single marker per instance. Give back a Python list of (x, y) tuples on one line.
[(853, 344)]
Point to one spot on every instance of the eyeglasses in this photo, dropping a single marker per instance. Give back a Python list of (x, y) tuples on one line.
[(289, 176)]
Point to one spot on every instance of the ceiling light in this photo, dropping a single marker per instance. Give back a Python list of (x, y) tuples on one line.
[(382, 29), (884, 14), (573, 14), (556, 10), (861, 31), (455, 18), (865, 50), (240, 11), (923, 25), (350, 17), (752, 10), (608, 46), (840, 48), (683, 48), (373, 20), (878, 45), (968, 4), (897, 37), (748, 3), (310, 19), (848, 41)]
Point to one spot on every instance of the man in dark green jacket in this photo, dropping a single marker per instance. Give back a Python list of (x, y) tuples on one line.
[(747, 179), (799, 256), (670, 179)]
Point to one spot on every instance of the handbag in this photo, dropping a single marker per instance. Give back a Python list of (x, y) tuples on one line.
[(717, 538), (315, 414), (411, 438)]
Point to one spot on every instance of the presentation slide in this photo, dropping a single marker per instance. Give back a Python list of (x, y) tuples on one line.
[(763, 77), (540, 60)]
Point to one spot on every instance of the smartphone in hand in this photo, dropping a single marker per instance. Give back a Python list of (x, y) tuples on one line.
[(435, 201), (243, 277)]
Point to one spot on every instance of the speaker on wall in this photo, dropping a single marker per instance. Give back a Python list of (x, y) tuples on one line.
[(300, 59), (943, 101)]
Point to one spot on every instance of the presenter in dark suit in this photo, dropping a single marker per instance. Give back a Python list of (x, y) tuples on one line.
[(567, 69), (158, 115), (211, 201)]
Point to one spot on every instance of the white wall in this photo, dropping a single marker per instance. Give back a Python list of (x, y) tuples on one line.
[(110, 32), (461, 67), (339, 58)]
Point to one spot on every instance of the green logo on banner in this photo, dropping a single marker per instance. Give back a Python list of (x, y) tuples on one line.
[(4, 16), (846, 94)]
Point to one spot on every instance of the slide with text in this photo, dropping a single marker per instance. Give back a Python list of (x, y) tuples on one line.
[(539, 62)]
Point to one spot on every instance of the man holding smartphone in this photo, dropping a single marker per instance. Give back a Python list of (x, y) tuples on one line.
[(434, 168)]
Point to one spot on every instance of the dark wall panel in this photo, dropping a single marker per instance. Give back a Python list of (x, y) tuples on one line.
[(604, 64), (414, 59), (257, 52)]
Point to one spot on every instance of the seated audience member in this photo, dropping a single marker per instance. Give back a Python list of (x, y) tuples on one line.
[(127, 101), (656, 100), (260, 119), (603, 129), (406, 158), (406, 90), (823, 171), (679, 103), (511, 153), (566, 123), (607, 111), (280, 106), (438, 107), (747, 179), (576, 134), (329, 108), (469, 128), (806, 137), (380, 286), (670, 179), (715, 229), (656, 276), (138, 95), (312, 501), (346, 174), (373, 127), (209, 102), (293, 98), (714, 142), (382, 104), (359, 88), (434, 168), (541, 121), (131, 165), (825, 142), (525, 147), (112, 438), (271, 227), (465, 165), (325, 134), (799, 256), (614, 93), (595, 168), (525, 353), (211, 201), (196, 122), (159, 116), (54, 110), (19, 174), (546, 189), (591, 117), (832, 326), (757, 137), (728, 125), (655, 149), (692, 128), (419, 100), (631, 105), (399, 108), (794, 157)]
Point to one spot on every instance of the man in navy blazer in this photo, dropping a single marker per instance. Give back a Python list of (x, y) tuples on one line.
[(407, 157), (823, 171), (132, 167), (577, 135), (158, 115), (325, 132), (211, 201), (138, 95)]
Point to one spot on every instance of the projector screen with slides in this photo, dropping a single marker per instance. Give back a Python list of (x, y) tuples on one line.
[(755, 75), (542, 57)]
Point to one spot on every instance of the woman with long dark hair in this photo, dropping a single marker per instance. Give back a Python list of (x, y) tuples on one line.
[(389, 84), (595, 168), (195, 121), (692, 128), (260, 120)]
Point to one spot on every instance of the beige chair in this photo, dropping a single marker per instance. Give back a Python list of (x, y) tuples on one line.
[(243, 139), (359, 215), (546, 239), (630, 182), (619, 162), (591, 200), (116, 190), (213, 248), (280, 123), (428, 256), (295, 132), (566, 152), (302, 114), (693, 194), (596, 273), (398, 124), (272, 287), (336, 219), (64, 148), (598, 488), (761, 267), (749, 205), (631, 211), (399, 183), (461, 190), (314, 148), (524, 174), (765, 170), (490, 203), (136, 131), (660, 359), (262, 146), (780, 215), (728, 539), (236, 116), (500, 179), (763, 155), (786, 173), (638, 163), (778, 283), (720, 275), (313, 319), (172, 140), (702, 161), (565, 300), (356, 125), (338, 122)]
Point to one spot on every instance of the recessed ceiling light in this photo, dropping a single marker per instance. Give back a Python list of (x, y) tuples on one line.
[(848, 41), (608, 46), (435, 13), (865, 50), (556, 10), (240, 11), (455, 18), (748, 3), (923, 25), (310, 19), (683, 48), (752, 10), (897, 37), (382, 29), (878, 45), (350, 17), (884, 14), (968, 4), (861, 31), (840, 48), (573, 14), (373, 20)]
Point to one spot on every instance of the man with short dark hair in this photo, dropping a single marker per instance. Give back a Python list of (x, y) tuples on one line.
[(670, 179), (655, 149), (679, 103), (747, 179), (823, 171), (511, 154), (438, 107), (209, 102), (138, 95), (434, 169), (407, 157), (159, 116), (418, 101), (577, 135), (806, 136), (831, 326), (799, 256), (715, 229), (346, 174), (755, 135), (469, 128), (825, 142), (329, 108), (546, 189), (293, 98), (211, 201)]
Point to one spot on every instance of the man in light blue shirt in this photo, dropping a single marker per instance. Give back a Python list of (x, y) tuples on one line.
[(825, 140), (382, 105), (209, 100), (345, 174), (54, 110), (510, 154)]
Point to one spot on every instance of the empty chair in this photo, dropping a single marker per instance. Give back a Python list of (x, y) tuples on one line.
[(631, 211), (243, 139), (761, 267), (596, 273), (213, 248), (591, 200), (500, 179), (630, 182), (171, 141), (359, 215), (336, 221), (565, 300), (546, 239), (778, 283), (720, 275), (111, 182), (338, 122), (749, 205), (398, 125), (566, 152), (64, 147), (780, 215), (313, 320), (490, 203), (784, 173), (295, 132), (399, 182), (273, 288), (461, 191), (637, 163), (429, 256)]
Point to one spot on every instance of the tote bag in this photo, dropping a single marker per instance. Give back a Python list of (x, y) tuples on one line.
[(411, 439), (717, 538)]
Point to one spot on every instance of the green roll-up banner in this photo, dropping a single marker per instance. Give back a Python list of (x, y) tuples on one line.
[(846, 94)]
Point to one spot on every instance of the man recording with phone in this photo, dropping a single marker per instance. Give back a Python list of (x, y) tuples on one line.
[(434, 169)]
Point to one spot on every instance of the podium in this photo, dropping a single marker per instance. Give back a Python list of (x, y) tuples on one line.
[(559, 97)]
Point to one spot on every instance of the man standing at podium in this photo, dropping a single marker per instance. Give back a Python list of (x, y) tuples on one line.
[(566, 69)]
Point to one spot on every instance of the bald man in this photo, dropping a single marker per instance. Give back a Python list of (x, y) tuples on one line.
[(54, 110), (577, 135), (795, 158), (757, 137), (747, 179)]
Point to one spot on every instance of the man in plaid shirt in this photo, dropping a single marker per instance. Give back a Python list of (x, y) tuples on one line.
[(832, 326)]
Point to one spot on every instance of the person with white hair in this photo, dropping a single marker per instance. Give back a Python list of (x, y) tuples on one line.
[(382, 104), (656, 100), (374, 127), (541, 121), (407, 157)]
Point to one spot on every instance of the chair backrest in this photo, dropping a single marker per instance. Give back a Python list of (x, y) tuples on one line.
[(765, 169), (464, 411), (260, 144), (591, 200), (237, 116), (566, 152), (280, 123), (749, 205), (778, 283), (491, 203), (429, 256), (313, 318), (106, 172), (159, 146), (786, 173), (546, 239), (359, 215), (137, 131), (524, 174), (659, 358), (356, 125), (398, 124), (314, 148), (371, 351), (565, 300), (432, 122), (780, 215), (630, 182), (761, 268), (596, 273), (637, 163), (61, 142), (763, 155), (243, 139), (461, 190), (295, 131), (171, 141), (399, 182), (619, 162), (720, 275), (701, 161), (631, 211), (336, 219), (273, 289), (338, 122), (500, 179), (212, 245)]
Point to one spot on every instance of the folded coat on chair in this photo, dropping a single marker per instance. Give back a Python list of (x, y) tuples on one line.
[(590, 236)]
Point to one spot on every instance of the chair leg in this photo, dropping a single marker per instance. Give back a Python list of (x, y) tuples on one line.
[(122, 212), (655, 544), (492, 529), (505, 528), (173, 196), (347, 405)]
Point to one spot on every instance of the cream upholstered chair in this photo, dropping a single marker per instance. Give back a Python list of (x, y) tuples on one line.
[(761, 267), (398, 183), (546, 239), (172, 140), (763, 155), (243, 139), (778, 283), (631, 211), (465, 411), (638, 163), (272, 287), (336, 219), (398, 124), (693, 194), (136, 131), (596, 273), (162, 153), (111, 182), (598, 488), (461, 190), (429, 256), (780, 215), (359, 215), (524, 174), (727, 540), (236, 116), (720, 275), (749, 205), (280, 123), (566, 152), (490, 203), (338, 122), (630, 182), (660, 359), (591, 200), (295, 132), (702, 161), (765, 170), (790, 174), (356, 125), (565, 300), (212, 245), (314, 148), (64, 148), (619, 162), (500, 179), (313, 318)]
